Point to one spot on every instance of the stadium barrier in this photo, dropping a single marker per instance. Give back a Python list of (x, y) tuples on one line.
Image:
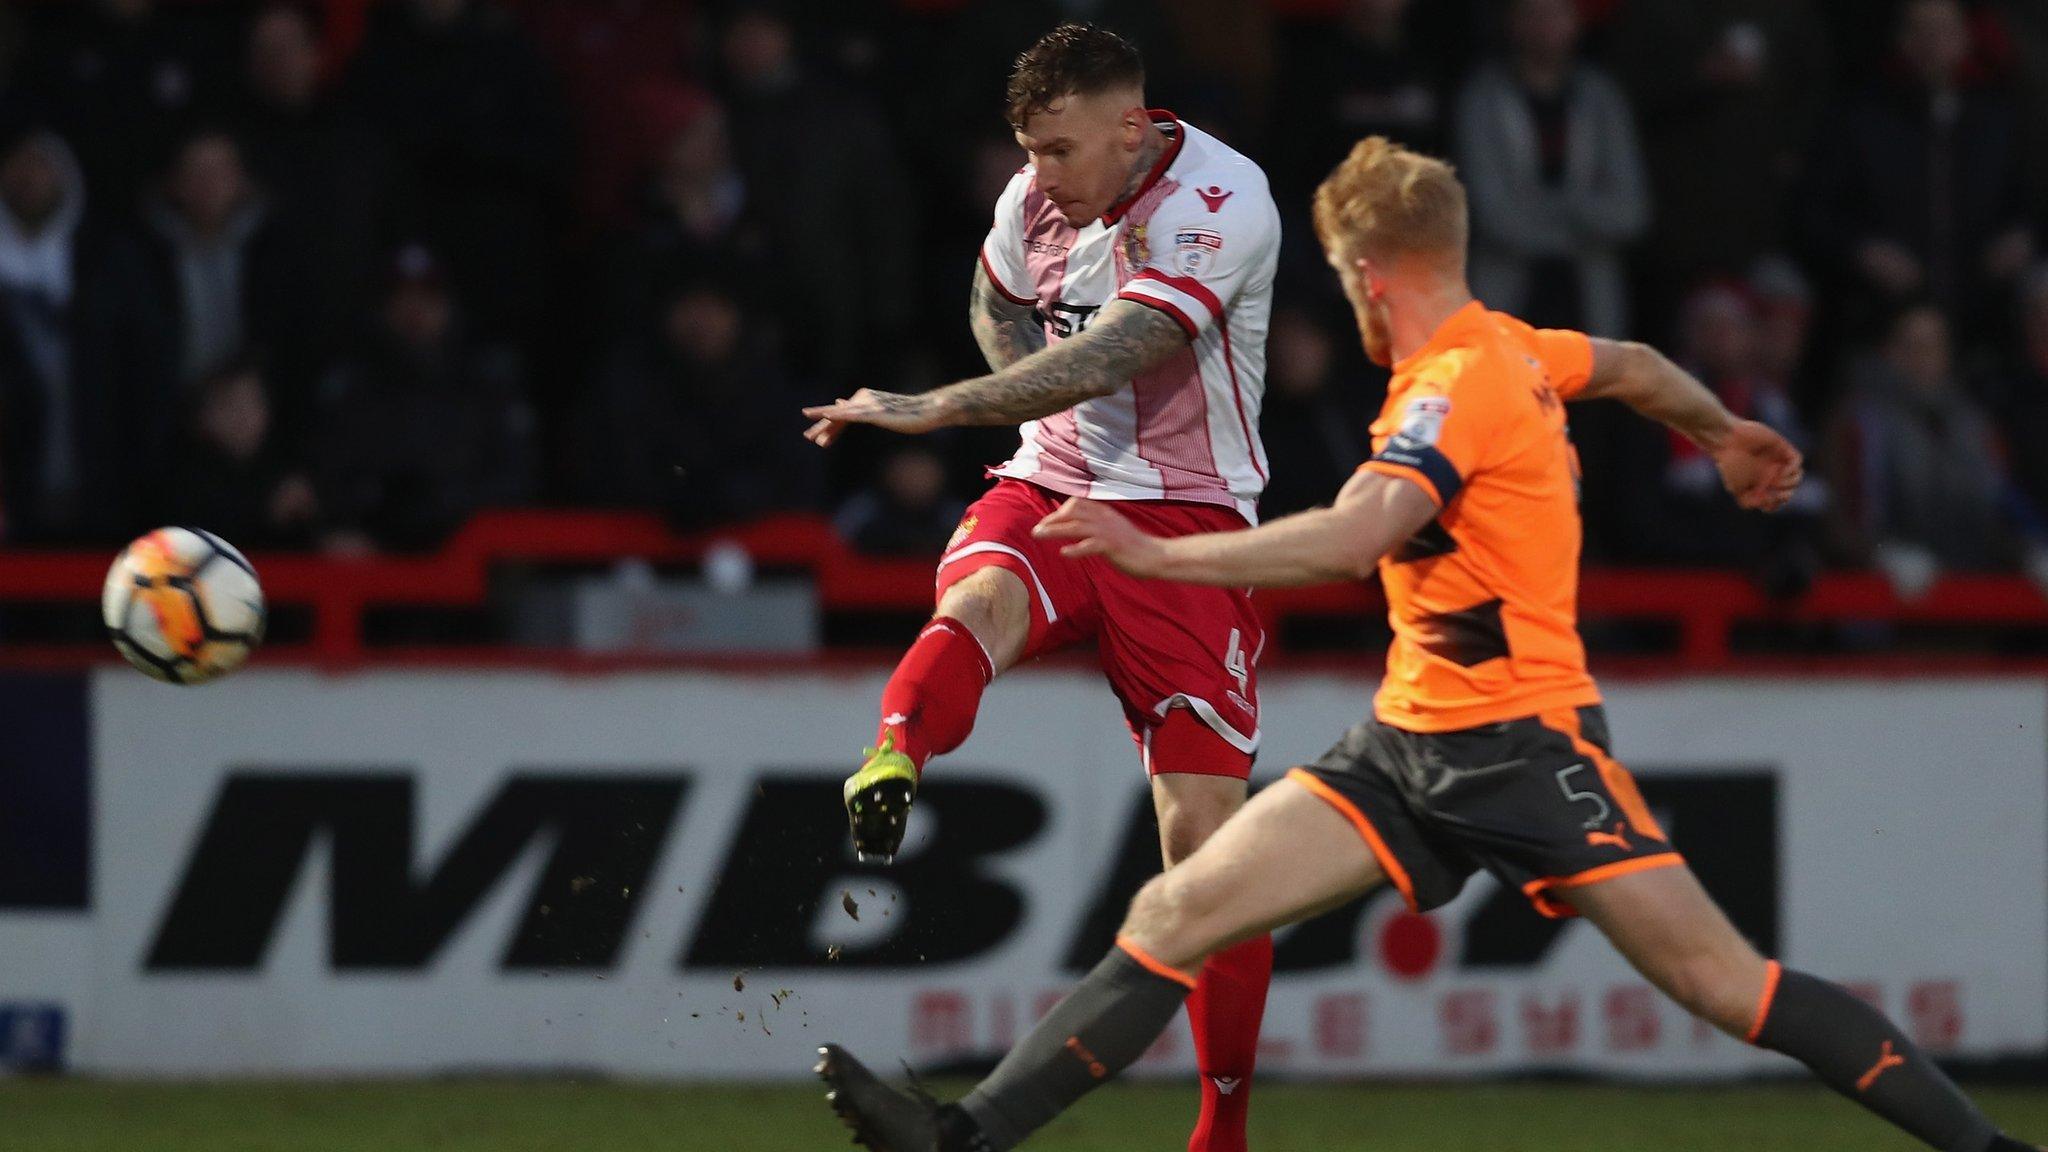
[(393, 872), (1705, 608)]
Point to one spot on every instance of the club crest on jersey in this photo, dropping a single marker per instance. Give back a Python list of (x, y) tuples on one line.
[(1137, 247), (1195, 248), (1424, 420), (961, 533)]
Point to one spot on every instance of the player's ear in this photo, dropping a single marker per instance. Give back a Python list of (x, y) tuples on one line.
[(1369, 283), (1135, 121)]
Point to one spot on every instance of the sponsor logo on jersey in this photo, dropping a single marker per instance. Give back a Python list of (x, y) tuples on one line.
[(1424, 421), (1214, 197), (1045, 248)]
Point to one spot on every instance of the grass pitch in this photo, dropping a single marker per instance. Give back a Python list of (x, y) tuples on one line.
[(544, 1116)]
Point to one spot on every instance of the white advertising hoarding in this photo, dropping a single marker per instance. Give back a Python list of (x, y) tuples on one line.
[(647, 875)]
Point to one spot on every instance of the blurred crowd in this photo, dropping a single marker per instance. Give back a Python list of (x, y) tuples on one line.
[(337, 275)]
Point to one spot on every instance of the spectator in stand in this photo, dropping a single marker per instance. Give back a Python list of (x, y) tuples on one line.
[(697, 213), (117, 77), (954, 226), (426, 426), (1783, 300), (1225, 63), (1364, 76), (1728, 92), (822, 170), (325, 175), (694, 417), (234, 277), (481, 139), (1317, 429), (1920, 191), (608, 52), (1547, 147), (987, 35), (2023, 400), (84, 360), (907, 512), (1917, 468), (232, 476), (2025, 24), (1686, 517), (10, 46)]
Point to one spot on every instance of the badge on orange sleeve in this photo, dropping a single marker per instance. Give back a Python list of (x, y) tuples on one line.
[(1424, 420)]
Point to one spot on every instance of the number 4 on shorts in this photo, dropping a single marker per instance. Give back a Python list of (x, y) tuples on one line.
[(1234, 662)]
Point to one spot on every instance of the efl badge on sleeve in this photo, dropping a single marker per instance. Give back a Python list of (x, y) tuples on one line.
[(1424, 421), (1194, 249)]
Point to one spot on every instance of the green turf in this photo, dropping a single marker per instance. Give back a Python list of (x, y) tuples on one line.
[(83, 1116)]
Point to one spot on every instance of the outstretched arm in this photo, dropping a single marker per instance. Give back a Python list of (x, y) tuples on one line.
[(1759, 467), (1371, 515), (1006, 330), (1126, 340)]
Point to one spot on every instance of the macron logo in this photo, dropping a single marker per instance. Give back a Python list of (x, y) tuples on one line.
[(1214, 197), (1227, 1084)]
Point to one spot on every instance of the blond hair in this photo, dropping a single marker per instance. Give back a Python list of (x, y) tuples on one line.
[(1385, 201)]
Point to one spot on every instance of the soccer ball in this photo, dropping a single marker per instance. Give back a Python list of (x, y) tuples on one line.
[(182, 605)]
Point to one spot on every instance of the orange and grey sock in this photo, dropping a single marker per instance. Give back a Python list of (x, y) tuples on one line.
[(1862, 1055), (1104, 1024)]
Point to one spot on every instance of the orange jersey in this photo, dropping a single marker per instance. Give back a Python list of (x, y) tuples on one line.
[(1484, 600)]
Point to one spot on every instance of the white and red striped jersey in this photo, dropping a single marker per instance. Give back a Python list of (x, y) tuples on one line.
[(1198, 241)]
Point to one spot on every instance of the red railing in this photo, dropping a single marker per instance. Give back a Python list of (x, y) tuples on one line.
[(1704, 606)]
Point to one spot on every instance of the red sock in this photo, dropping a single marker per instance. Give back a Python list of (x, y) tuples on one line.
[(931, 700), (1227, 1005)]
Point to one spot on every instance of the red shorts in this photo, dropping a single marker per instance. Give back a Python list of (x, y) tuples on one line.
[(1162, 645)]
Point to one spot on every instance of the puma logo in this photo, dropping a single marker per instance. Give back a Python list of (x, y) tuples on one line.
[(1095, 1067), (1227, 1084), (1886, 1059), (1615, 839)]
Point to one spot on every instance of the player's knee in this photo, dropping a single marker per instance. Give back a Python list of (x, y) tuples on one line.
[(1713, 987), (1169, 914), (1185, 826), (992, 604), (1154, 910)]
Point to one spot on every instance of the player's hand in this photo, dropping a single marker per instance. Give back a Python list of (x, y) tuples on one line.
[(1096, 529), (1760, 468), (895, 411)]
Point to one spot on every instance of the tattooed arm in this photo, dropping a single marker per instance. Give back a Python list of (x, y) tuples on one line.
[(1006, 330), (1126, 340)]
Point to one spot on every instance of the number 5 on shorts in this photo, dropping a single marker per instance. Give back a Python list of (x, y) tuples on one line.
[(1573, 796)]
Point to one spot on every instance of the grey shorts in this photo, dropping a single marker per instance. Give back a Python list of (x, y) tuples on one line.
[(1536, 801)]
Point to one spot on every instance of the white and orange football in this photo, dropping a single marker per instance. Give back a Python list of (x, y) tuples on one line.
[(182, 605)]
